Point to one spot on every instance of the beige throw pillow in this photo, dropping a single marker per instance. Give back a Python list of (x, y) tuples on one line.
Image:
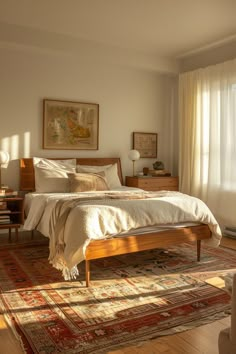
[(85, 182), (111, 173)]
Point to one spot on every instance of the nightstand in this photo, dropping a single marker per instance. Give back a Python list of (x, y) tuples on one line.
[(11, 214), (149, 183)]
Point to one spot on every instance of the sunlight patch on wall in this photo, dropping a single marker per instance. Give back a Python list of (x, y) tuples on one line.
[(5, 144), (12, 146), (27, 144)]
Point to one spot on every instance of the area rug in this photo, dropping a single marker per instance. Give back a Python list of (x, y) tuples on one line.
[(132, 298)]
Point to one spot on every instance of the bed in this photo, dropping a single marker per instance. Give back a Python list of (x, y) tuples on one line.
[(205, 229)]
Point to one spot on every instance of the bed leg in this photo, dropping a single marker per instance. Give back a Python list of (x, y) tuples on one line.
[(198, 250), (87, 272)]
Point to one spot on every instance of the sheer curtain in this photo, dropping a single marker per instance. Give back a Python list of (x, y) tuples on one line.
[(207, 161)]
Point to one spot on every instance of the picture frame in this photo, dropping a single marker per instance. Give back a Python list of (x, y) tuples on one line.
[(69, 125), (146, 144)]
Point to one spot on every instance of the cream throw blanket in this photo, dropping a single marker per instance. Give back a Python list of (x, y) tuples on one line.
[(76, 221)]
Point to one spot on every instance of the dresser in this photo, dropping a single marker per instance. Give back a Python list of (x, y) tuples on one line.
[(153, 183)]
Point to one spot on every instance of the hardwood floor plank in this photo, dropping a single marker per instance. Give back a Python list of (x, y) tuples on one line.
[(8, 342), (179, 345)]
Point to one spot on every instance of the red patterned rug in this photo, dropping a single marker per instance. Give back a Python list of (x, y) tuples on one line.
[(132, 298)]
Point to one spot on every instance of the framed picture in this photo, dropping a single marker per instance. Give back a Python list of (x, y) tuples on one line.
[(70, 125), (146, 144)]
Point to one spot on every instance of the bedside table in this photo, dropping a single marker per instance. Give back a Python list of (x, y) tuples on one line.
[(153, 183), (11, 214)]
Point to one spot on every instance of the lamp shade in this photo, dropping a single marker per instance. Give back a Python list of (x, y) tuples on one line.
[(134, 155), (4, 157)]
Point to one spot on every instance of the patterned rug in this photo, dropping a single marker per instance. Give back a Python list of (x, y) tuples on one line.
[(132, 298)]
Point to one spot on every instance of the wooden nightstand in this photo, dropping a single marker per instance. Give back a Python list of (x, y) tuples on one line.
[(11, 214), (153, 183)]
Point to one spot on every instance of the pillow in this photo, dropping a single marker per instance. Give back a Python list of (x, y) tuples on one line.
[(112, 177), (111, 173), (91, 169), (51, 175), (68, 163), (84, 182)]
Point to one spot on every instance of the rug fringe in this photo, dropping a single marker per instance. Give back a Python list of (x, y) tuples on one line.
[(167, 332)]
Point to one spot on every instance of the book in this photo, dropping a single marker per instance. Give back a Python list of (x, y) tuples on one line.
[(4, 216), (2, 197), (167, 174), (160, 173), (3, 205), (7, 193), (7, 218), (5, 211)]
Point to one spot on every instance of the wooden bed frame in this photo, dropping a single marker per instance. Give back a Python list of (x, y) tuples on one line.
[(121, 245)]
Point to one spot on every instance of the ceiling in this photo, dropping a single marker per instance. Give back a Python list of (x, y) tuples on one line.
[(165, 28)]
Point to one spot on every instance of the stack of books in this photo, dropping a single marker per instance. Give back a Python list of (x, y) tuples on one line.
[(157, 173), (4, 216), (7, 193)]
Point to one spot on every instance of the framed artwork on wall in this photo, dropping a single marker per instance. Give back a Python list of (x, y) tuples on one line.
[(146, 144), (70, 125)]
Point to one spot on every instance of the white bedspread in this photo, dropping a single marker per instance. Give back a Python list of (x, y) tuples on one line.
[(79, 218)]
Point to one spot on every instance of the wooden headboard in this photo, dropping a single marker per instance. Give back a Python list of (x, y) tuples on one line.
[(27, 168)]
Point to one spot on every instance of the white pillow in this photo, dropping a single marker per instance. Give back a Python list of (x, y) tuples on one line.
[(71, 163), (91, 169), (111, 173), (51, 175)]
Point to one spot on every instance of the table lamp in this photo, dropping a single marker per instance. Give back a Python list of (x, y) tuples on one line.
[(134, 155), (4, 158)]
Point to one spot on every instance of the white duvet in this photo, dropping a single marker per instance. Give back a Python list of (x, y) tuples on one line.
[(72, 221)]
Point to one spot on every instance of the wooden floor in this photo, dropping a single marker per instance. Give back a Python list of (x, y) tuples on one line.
[(203, 339)]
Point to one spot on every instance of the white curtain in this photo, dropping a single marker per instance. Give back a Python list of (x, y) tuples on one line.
[(207, 161)]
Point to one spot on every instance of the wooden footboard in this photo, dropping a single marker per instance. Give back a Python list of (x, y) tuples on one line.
[(135, 243)]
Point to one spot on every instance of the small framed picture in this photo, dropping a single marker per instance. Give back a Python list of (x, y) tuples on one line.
[(146, 144), (70, 125)]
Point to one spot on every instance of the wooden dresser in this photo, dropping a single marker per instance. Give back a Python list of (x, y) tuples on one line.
[(153, 183)]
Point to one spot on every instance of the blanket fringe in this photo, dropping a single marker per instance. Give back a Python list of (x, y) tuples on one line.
[(57, 261), (70, 274)]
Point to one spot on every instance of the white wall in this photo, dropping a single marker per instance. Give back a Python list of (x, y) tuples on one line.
[(130, 99)]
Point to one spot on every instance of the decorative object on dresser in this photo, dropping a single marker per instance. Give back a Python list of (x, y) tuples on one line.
[(145, 171), (159, 169), (11, 214), (70, 125), (156, 173), (4, 159), (134, 155), (146, 144), (158, 165), (149, 183)]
